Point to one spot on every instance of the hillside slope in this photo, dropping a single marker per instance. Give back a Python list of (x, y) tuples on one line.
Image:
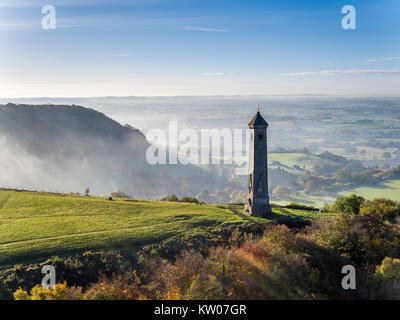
[(38, 225), (63, 148)]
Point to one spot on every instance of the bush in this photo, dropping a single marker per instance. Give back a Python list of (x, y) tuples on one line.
[(298, 206), (93, 265), (189, 199), (120, 194), (364, 233), (60, 292), (350, 204), (385, 209), (389, 270), (388, 277), (171, 198), (126, 287), (343, 175)]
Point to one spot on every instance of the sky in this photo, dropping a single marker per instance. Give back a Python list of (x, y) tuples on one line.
[(199, 47)]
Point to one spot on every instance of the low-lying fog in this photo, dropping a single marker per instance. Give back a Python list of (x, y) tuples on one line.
[(45, 149)]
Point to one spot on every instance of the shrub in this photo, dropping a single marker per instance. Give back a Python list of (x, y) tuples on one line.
[(298, 206), (189, 199), (350, 204), (366, 235), (171, 198), (120, 194), (126, 287), (343, 175), (385, 209), (60, 292), (388, 277), (389, 269), (93, 265)]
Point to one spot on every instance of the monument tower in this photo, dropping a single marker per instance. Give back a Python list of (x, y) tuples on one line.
[(257, 202)]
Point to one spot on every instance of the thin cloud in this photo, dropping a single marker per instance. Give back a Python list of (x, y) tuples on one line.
[(102, 21), (383, 59), (213, 74), (204, 29), (40, 3), (343, 72), (12, 25)]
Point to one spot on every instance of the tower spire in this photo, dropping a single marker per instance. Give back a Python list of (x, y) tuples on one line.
[(257, 201)]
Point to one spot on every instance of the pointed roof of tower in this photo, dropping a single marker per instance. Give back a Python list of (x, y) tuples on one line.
[(258, 120)]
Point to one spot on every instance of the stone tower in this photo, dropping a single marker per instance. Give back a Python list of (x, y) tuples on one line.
[(257, 202)]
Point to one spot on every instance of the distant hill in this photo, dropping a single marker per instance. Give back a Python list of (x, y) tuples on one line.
[(66, 131), (67, 148)]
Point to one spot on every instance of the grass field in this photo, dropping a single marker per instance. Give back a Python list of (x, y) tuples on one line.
[(303, 160), (36, 226), (388, 189), (290, 159)]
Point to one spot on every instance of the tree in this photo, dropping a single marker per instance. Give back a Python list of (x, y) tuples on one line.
[(314, 184), (120, 194), (385, 209), (350, 204), (60, 292), (387, 155), (365, 231), (280, 192), (171, 198), (189, 199), (343, 175), (351, 149), (87, 191), (389, 269)]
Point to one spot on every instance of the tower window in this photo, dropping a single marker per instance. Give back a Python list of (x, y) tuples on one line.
[(260, 136)]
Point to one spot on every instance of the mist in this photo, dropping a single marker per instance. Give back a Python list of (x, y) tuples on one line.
[(68, 148), (57, 146)]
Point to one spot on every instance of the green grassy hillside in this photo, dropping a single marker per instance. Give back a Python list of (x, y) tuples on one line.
[(377, 189), (36, 226), (305, 161), (388, 189)]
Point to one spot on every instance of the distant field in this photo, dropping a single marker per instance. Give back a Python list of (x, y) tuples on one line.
[(317, 201), (290, 159), (303, 160), (389, 189), (38, 225)]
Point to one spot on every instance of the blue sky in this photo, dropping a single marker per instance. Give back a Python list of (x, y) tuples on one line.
[(198, 47)]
